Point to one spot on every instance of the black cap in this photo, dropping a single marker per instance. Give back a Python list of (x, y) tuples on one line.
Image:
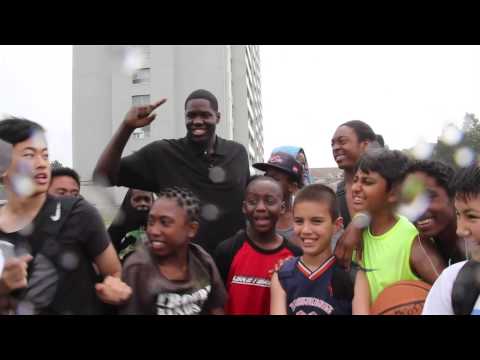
[(284, 162)]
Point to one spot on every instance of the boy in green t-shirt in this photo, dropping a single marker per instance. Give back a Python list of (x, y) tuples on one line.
[(392, 250)]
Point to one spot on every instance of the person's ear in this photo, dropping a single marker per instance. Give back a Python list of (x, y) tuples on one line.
[(394, 194), (338, 224), (193, 229), (283, 208), (364, 145), (218, 117), (244, 207)]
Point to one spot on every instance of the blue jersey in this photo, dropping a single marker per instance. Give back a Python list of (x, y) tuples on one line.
[(326, 291)]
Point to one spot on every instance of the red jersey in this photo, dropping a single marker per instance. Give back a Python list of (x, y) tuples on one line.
[(248, 279)]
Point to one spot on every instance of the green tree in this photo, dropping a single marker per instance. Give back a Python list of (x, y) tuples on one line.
[(471, 139)]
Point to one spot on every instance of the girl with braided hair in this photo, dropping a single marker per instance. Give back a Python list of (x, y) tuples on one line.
[(170, 275)]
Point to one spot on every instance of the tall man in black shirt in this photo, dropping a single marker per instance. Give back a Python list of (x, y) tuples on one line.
[(215, 169)]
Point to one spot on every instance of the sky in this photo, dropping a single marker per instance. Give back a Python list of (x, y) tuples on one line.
[(405, 93), (36, 83)]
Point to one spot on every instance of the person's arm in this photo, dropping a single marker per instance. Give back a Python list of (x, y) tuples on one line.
[(425, 261), (107, 168), (112, 290), (278, 297), (361, 297), (350, 240)]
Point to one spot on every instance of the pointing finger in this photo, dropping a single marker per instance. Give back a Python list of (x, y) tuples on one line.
[(158, 103)]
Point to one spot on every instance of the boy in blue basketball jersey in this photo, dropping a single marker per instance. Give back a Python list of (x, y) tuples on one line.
[(315, 284)]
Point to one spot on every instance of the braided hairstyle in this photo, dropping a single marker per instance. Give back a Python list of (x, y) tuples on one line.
[(185, 199)]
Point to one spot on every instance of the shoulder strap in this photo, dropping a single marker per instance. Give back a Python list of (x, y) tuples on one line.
[(466, 288)]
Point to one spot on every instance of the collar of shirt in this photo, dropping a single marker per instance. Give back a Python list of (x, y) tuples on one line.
[(219, 149)]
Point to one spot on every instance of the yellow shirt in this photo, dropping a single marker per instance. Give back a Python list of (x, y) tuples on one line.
[(387, 256)]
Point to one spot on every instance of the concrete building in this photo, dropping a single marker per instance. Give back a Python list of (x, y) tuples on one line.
[(108, 79)]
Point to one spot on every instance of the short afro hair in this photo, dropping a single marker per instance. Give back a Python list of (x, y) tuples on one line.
[(203, 94), (256, 178), (440, 171), (65, 171)]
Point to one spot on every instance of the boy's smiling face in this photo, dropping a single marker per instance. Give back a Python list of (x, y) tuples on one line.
[(468, 223), (168, 227), (314, 226), (369, 192), (263, 204)]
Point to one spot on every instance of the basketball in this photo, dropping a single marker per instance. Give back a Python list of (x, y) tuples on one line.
[(401, 298)]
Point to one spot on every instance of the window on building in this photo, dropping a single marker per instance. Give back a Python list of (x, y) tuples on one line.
[(141, 76), (139, 100)]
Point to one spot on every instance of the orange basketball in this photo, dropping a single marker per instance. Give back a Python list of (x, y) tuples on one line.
[(402, 298)]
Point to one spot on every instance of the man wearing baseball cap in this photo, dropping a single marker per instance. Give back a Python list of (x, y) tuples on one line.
[(285, 169)]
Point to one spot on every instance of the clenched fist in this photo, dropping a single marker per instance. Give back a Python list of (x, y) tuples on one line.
[(14, 275), (140, 116), (113, 291)]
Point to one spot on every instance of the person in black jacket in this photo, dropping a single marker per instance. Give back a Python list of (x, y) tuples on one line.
[(130, 222)]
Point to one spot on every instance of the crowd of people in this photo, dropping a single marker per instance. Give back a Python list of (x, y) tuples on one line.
[(198, 234)]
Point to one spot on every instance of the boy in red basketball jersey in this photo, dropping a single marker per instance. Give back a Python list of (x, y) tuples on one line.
[(245, 260)]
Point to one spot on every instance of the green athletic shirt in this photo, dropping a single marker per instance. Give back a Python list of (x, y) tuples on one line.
[(387, 257)]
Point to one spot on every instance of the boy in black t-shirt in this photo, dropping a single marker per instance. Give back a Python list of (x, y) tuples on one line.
[(50, 243)]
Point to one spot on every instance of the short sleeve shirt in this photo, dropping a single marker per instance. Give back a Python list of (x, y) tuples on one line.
[(439, 299), (219, 180), (154, 294), (80, 240)]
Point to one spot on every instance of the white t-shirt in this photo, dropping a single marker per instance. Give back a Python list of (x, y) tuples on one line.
[(439, 299)]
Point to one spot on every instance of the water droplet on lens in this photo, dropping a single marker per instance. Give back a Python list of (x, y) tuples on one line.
[(134, 59), (69, 260), (422, 150), (451, 135), (217, 174), (25, 308), (361, 220), (464, 156), (2, 262), (412, 187), (27, 230), (23, 185), (414, 210), (210, 212)]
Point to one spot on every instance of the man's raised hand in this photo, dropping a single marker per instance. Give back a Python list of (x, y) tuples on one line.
[(140, 116)]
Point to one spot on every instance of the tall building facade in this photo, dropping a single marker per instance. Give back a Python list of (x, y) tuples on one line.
[(109, 79)]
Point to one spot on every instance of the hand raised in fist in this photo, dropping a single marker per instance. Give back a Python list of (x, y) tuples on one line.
[(14, 275), (113, 291), (140, 116)]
